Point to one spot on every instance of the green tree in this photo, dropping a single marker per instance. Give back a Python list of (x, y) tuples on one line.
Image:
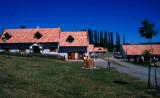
[(95, 37), (147, 30), (101, 39), (117, 42), (124, 42), (22, 27), (106, 40), (112, 45), (146, 54)]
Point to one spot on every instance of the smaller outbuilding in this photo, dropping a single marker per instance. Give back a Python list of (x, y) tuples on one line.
[(136, 52), (73, 45)]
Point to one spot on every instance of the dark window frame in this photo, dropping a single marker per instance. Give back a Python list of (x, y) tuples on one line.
[(70, 39), (22, 49), (52, 49), (7, 49), (38, 35), (6, 36)]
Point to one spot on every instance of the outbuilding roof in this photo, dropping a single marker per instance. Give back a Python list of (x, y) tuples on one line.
[(139, 49), (73, 39), (100, 49)]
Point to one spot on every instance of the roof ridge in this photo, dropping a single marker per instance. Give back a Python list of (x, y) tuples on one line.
[(30, 28), (72, 31)]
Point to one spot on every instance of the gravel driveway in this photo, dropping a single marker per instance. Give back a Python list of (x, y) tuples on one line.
[(139, 72)]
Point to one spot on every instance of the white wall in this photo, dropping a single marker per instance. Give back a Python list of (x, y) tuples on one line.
[(64, 55), (27, 50), (1, 50), (14, 50), (46, 51)]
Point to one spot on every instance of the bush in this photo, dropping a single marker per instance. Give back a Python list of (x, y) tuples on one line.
[(33, 55)]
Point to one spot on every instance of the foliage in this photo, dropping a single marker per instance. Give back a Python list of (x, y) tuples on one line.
[(111, 44), (124, 41), (146, 54), (147, 30), (23, 27), (32, 55), (101, 38), (117, 42)]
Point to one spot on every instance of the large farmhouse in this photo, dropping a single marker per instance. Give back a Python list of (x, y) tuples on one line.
[(72, 45), (36, 40)]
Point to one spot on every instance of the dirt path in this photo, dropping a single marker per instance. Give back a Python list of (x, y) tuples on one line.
[(131, 69)]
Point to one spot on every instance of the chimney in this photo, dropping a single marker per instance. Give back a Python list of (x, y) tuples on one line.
[(37, 27)]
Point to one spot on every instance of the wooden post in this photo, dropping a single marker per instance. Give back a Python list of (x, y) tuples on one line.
[(128, 58), (134, 59), (155, 75), (140, 59), (108, 65)]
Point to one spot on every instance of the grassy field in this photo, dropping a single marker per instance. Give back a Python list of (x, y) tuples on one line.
[(24, 77)]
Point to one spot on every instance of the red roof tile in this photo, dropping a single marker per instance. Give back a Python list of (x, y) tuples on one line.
[(27, 35), (79, 39), (139, 49), (100, 49)]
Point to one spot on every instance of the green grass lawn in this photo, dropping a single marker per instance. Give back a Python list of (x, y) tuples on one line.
[(24, 77)]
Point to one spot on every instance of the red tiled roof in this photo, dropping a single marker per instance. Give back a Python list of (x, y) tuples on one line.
[(27, 35), (100, 49), (80, 39), (91, 48), (139, 49)]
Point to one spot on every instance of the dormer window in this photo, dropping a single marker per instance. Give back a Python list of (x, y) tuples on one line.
[(7, 36), (37, 35), (70, 39)]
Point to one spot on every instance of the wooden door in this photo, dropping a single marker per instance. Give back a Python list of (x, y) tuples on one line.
[(71, 56), (80, 56)]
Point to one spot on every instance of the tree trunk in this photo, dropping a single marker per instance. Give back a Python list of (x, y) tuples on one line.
[(140, 59), (149, 67), (155, 76), (149, 74), (135, 59), (128, 58)]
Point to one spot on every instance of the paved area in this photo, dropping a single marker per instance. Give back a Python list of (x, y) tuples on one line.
[(139, 72)]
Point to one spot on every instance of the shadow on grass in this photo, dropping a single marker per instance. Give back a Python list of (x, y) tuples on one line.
[(120, 82)]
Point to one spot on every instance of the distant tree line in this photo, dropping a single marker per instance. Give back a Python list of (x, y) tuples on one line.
[(104, 39)]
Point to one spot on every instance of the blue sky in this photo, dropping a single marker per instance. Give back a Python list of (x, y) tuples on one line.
[(122, 16)]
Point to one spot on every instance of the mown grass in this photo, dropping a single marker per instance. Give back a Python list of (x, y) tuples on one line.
[(25, 77)]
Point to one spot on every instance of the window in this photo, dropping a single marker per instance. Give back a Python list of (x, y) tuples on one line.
[(7, 50), (6, 36), (37, 35), (22, 50), (70, 39), (71, 56), (52, 49)]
